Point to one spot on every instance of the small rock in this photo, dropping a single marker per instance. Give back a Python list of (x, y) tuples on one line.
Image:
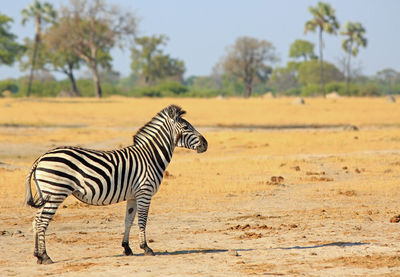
[(233, 252), (332, 95), (5, 233), (391, 99), (395, 219), (350, 128), (299, 101), (268, 95), (358, 227)]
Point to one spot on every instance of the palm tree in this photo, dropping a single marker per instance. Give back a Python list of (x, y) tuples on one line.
[(354, 38), (40, 13), (324, 20)]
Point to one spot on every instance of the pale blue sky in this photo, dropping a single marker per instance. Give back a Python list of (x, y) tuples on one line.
[(200, 31)]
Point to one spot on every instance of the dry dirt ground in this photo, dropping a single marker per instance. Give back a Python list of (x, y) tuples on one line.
[(284, 189)]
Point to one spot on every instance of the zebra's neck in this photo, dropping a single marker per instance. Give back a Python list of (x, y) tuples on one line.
[(157, 136)]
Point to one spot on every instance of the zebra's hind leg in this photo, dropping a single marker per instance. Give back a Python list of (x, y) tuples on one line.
[(143, 205), (129, 217), (40, 224)]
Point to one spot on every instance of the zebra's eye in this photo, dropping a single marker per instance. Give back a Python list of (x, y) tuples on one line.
[(185, 128)]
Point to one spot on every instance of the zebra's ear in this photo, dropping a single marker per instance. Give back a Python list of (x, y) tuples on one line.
[(175, 112)]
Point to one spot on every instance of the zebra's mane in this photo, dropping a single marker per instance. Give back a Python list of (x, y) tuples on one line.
[(172, 111)]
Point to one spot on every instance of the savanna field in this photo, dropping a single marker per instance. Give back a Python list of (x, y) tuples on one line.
[(284, 189)]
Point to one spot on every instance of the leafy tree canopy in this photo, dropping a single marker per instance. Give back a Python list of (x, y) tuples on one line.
[(302, 49), (249, 60), (308, 72), (9, 48), (151, 64)]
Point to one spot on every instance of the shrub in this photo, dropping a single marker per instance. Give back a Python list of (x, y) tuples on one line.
[(148, 92), (292, 92), (311, 90), (339, 87), (175, 88), (10, 85), (369, 90)]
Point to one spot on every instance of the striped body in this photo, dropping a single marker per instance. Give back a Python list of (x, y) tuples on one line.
[(131, 174), (99, 177)]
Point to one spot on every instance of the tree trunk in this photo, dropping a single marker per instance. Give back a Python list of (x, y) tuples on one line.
[(28, 93), (348, 71), (321, 67), (70, 74), (96, 81), (35, 46), (73, 84), (248, 87)]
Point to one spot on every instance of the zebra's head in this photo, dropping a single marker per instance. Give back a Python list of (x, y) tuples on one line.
[(186, 135)]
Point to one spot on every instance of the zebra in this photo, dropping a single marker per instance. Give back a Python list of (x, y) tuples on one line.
[(132, 174)]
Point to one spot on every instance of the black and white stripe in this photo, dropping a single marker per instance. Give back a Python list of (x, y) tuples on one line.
[(131, 174)]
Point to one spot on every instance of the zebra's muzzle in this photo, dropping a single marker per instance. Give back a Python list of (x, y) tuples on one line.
[(202, 146)]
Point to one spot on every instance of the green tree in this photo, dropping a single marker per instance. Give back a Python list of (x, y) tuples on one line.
[(90, 29), (354, 38), (325, 21), (285, 78), (51, 55), (388, 77), (247, 60), (9, 48), (150, 63), (308, 72), (60, 57), (302, 48), (40, 13)]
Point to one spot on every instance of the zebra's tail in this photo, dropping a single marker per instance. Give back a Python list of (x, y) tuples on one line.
[(37, 201)]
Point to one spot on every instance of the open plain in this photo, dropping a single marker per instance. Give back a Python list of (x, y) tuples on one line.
[(283, 190)]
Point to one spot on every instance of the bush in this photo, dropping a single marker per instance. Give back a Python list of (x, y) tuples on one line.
[(339, 87), (292, 92), (369, 90), (10, 85), (311, 90), (43, 89), (148, 92), (175, 88), (309, 72)]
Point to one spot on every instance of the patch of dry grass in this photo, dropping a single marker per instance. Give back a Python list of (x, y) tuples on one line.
[(128, 112), (238, 162)]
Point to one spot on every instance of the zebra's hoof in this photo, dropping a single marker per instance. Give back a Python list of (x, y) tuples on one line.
[(127, 249), (128, 252), (44, 259), (148, 252)]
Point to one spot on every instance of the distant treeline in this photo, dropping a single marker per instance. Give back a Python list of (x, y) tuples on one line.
[(82, 35), (195, 86)]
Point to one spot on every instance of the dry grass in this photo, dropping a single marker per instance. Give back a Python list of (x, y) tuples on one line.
[(237, 161), (126, 113), (356, 172)]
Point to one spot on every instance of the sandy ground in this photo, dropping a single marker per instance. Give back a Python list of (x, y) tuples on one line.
[(260, 201)]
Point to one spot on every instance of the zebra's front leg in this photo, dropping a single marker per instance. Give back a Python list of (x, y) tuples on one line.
[(129, 217), (143, 205)]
